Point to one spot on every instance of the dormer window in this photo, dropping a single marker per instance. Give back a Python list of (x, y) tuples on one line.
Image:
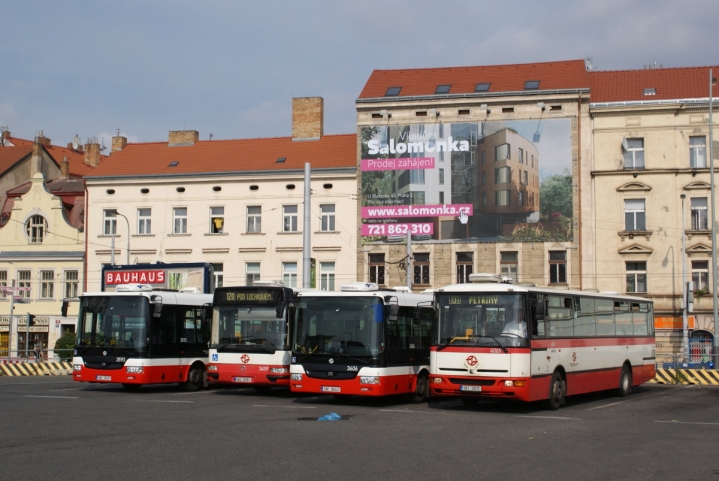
[(442, 89), (650, 91), (482, 87), (392, 91), (531, 85), (36, 227)]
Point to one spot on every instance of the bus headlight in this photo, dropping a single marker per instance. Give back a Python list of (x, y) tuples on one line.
[(135, 369), (212, 368), (77, 367), (279, 370), (296, 376), (438, 380), (369, 379)]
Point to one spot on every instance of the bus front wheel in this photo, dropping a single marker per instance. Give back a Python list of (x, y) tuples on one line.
[(557, 392), (625, 382), (420, 389), (195, 378)]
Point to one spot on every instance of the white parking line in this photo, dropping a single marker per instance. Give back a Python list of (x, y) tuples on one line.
[(162, 401), (607, 405), (640, 396), (196, 392), (71, 389), (685, 422), (277, 406), (549, 417), (53, 397)]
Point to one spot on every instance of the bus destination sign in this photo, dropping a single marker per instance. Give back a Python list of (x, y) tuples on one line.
[(245, 296)]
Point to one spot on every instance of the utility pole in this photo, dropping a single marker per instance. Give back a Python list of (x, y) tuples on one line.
[(714, 225), (409, 260), (306, 232)]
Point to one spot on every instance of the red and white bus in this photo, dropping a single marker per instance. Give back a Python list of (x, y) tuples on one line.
[(363, 341), (527, 343), (138, 335), (250, 335)]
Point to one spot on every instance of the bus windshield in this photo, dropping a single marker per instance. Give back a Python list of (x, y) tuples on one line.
[(482, 319), (113, 321), (339, 325), (248, 328)]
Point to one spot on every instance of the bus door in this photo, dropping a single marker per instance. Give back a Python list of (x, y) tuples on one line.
[(165, 348)]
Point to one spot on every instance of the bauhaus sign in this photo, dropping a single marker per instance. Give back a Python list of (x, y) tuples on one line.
[(154, 276)]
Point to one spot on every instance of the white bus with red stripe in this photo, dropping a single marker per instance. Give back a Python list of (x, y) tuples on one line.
[(138, 335), (363, 341), (526, 343), (250, 335)]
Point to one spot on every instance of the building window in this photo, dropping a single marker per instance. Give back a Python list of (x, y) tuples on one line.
[(417, 197), (24, 279), (520, 156), (421, 269), (508, 265), (3, 282), (465, 261), (634, 214), (441, 197), (501, 198), (700, 275), (416, 176), (526, 177), (484, 178), (441, 131), (217, 220), (47, 284), (254, 219), (699, 213), (501, 152), (636, 277), (483, 157), (289, 218), (557, 267), (520, 197), (179, 220), (441, 155), (218, 273), (71, 283), (252, 273), (289, 274), (376, 268), (441, 176), (502, 175), (327, 276), (484, 198), (36, 227), (109, 222), (634, 154), (697, 152), (144, 221), (327, 221)]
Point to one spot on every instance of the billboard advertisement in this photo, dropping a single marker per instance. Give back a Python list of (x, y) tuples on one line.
[(161, 276), (481, 181)]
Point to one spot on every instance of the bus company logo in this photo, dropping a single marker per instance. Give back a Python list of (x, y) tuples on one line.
[(245, 358), (243, 368), (574, 357), (471, 361), (331, 361), (104, 353)]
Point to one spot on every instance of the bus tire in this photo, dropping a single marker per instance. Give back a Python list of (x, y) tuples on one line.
[(557, 392), (470, 401), (420, 389), (131, 387), (195, 378), (625, 382), (262, 389)]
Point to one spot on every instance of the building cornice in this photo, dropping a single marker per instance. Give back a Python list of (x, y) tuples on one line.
[(472, 95), (227, 175)]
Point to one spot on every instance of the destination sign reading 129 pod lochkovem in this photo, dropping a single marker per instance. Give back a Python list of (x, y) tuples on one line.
[(254, 296)]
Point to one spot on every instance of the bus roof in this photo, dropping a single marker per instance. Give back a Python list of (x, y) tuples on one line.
[(402, 297), (491, 287), (168, 297)]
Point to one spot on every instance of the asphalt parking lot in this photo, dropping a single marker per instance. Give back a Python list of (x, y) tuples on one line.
[(53, 428)]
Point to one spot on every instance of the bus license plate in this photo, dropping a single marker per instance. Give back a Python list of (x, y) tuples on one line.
[(103, 378), (242, 379), (330, 389), (470, 388)]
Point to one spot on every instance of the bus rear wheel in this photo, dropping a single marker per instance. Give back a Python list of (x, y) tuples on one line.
[(195, 379), (420, 390), (557, 392), (625, 382)]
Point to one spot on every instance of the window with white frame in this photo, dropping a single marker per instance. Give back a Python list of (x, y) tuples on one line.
[(520, 156), (144, 221), (72, 283), (508, 265), (179, 220), (697, 151), (634, 214), (327, 221), (420, 263), (700, 275), (289, 218), (327, 276), (634, 154), (252, 273), (24, 279), (636, 277), (289, 274), (47, 284), (218, 273), (36, 227), (254, 219), (699, 208), (3, 282), (465, 262), (217, 220), (557, 267), (109, 221), (376, 268)]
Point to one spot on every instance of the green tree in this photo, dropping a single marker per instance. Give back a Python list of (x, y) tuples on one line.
[(67, 341), (555, 195)]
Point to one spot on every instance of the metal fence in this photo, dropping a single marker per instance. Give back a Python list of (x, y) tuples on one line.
[(36, 355)]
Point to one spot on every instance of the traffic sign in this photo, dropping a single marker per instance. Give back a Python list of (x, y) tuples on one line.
[(10, 289)]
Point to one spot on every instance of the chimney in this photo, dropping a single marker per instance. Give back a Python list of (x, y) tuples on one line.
[(5, 133), (118, 143), (183, 137), (41, 139), (307, 118), (92, 152), (65, 168)]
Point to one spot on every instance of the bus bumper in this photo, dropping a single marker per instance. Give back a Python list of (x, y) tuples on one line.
[(469, 386), (250, 374), (86, 374), (379, 386)]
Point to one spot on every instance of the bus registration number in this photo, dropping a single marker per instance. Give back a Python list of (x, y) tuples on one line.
[(470, 388), (103, 378), (241, 379), (330, 389)]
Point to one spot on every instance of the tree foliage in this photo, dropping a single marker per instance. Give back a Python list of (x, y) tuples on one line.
[(67, 341), (555, 195)]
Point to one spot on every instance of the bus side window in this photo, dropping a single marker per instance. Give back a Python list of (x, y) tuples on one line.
[(585, 323), (561, 318), (538, 315), (605, 317), (623, 318)]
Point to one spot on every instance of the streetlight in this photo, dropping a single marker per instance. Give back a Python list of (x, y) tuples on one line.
[(685, 293), (714, 229), (128, 237)]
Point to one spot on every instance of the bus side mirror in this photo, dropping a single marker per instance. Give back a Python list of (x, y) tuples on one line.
[(157, 310), (287, 295), (393, 310), (63, 309)]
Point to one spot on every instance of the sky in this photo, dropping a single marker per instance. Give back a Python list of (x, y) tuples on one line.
[(231, 68)]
